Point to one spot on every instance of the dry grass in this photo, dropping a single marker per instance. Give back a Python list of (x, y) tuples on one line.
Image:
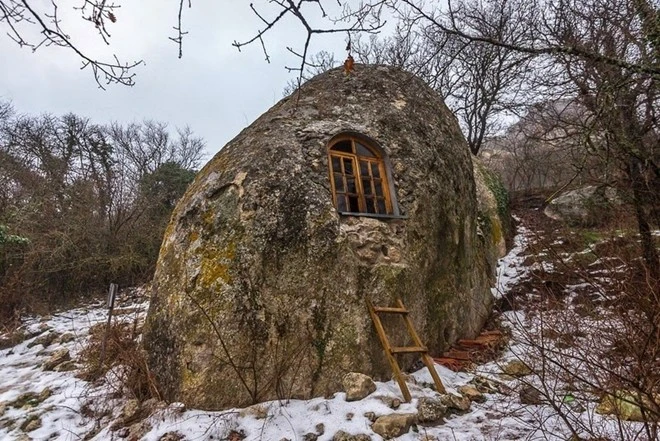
[(121, 349)]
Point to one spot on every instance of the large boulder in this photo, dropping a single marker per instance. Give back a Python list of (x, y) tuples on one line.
[(586, 206), (493, 215), (260, 286)]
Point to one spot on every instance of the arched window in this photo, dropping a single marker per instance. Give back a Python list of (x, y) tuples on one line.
[(359, 177)]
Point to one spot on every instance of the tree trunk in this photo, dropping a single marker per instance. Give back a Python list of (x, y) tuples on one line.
[(643, 200)]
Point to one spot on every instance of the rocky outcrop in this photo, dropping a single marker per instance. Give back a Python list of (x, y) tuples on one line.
[(587, 206), (493, 215), (260, 286)]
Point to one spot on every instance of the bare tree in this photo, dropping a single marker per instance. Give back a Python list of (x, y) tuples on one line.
[(22, 18), (480, 82)]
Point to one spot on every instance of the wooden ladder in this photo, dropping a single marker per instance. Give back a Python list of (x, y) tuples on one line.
[(390, 351)]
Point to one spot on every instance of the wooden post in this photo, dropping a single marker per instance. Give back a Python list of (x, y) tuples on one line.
[(112, 294)]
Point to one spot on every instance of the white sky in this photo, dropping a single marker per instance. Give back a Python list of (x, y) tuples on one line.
[(214, 89)]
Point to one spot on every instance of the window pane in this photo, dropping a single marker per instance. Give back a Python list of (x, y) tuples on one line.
[(381, 206), (348, 166), (336, 164), (343, 146), (375, 170), (379, 187), (366, 186), (350, 184), (370, 205), (341, 203), (363, 151), (339, 183), (364, 168), (353, 204)]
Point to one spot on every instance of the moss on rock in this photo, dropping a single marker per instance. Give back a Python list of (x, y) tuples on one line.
[(260, 287)]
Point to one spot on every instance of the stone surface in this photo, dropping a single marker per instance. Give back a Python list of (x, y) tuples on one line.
[(472, 393), (32, 423), (628, 406), (586, 206), (58, 357), (430, 410), (260, 283), (45, 339), (357, 386), (344, 436), (393, 425), (67, 366), (171, 436), (530, 395), (493, 221), (516, 368), (67, 337), (456, 402), (131, 410)]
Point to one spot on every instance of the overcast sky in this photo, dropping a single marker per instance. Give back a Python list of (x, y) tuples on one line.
[(214, 89)]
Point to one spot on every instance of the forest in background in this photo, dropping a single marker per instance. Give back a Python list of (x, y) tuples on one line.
[(83, 204)]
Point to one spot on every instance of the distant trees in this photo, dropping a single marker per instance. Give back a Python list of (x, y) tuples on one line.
[(90, 202)]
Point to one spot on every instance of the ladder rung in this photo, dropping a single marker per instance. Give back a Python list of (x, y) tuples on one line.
[(408, 349), (390, 310)]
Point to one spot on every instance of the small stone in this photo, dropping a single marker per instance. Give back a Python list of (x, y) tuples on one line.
[(472, 393), (3, 408), (138, 430), (58, 357), (67, 337), (516, 368), (626, 406), (357, 386), (257, 411), (123, 432), (310, 436), (178, 407), (67, 366), (393, 425), (395, 403), (32, 423), (171, 436), (430, 410), (131, 410), (320, 429), (349, 416), (44, 394), (530, 395), (456, 402), (45, 339), (343, 436), (152, 405), (371, 416), (406, 378), (486, 385)]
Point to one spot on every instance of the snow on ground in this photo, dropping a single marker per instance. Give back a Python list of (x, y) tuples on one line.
[(64, 411)]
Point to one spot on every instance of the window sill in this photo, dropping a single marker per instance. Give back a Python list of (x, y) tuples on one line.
[(374, 215)]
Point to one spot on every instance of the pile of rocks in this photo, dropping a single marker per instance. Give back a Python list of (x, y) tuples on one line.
[(430, 409)]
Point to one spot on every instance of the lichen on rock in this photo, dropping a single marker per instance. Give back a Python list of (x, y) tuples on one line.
[(260, 286)]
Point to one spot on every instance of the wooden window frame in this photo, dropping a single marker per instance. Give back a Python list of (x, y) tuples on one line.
[(377, 159)]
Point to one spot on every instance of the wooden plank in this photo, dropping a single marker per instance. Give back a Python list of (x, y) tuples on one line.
[(428, 361), (390, 358), (458, 355)]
